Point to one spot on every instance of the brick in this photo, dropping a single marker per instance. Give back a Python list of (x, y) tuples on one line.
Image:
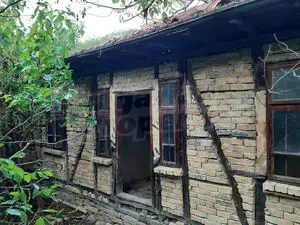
[(279, 221), (250, 120), (294, 190), (275, 212), (282, 188), (231, 114), (242, 80), (203, 209), (242, 107), (250, 142), (241, 73), (291, 217), (235, 87), (246, 127)]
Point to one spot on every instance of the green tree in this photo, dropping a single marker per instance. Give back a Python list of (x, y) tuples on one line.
[(34, 79), (153, 9)]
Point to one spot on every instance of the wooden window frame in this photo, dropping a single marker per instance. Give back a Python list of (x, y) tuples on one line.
[(170, 110), (273, 105), (100, 113), (52, 122)]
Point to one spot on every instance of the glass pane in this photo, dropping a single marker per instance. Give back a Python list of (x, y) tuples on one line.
[(167, 91), (286, 86), (102, 128), (168, 129), (59, 125), (286, 131), (293, 166), (101, 147), (279, 165), (50, 138), (50, 127), (103, 101), (59, 146), (169, 153)]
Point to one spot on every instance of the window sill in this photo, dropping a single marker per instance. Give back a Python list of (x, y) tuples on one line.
[(164, 170), (102, 161), (55, 152), (280, 188)]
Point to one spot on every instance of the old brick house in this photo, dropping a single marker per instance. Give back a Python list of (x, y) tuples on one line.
[(198, 121)]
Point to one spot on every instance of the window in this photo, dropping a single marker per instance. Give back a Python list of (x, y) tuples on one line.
[(102, 128), (169, 122), (56, 129), (284, 114)]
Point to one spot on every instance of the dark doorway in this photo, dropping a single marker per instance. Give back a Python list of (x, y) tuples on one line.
[(134, 146)]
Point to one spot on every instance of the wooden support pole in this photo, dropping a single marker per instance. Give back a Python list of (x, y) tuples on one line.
[(210, 128)]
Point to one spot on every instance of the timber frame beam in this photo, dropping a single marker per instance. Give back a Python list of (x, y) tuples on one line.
[(210, 128)]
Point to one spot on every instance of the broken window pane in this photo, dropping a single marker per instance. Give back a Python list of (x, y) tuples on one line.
[(287, 165), (168, 94), (103, 101), (293, 166), (169, 153), (286, 85), (286, 131), (56, 130), (50, 127), (168, 129), (279, 165), (59, 125), (102, 147), (50, 138), (103, 127)]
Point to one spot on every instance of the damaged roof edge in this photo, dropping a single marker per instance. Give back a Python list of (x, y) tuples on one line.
[(179, 26)]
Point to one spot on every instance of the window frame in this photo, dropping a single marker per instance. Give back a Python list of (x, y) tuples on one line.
[(52, 120), (272, 106), (270, 69), (100, 113), (170, 110)]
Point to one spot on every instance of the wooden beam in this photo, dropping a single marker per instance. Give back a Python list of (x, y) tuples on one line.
[(183, 142), (210, 128)]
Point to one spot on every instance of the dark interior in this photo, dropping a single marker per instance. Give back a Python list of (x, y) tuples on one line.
[(134, 137)]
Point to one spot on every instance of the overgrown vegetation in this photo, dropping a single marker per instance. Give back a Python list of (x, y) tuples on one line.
[(35, 79)]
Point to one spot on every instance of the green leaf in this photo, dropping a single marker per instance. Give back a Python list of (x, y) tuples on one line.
[(15, 195), (23, 216), (40, 221), (115, 1), (8, 202), (47, 192), (48, 173), (14, 212), (144, 3), (23, 196), (18, 174), (27, 178)]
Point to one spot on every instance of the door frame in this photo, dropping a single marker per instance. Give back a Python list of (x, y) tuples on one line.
[(118, 175)]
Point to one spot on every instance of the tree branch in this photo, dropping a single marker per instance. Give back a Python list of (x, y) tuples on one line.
[(111, 7), (9, 5), (21, 124)]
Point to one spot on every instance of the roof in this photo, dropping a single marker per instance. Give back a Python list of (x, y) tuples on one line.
[(225, 26), (189, 14)]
